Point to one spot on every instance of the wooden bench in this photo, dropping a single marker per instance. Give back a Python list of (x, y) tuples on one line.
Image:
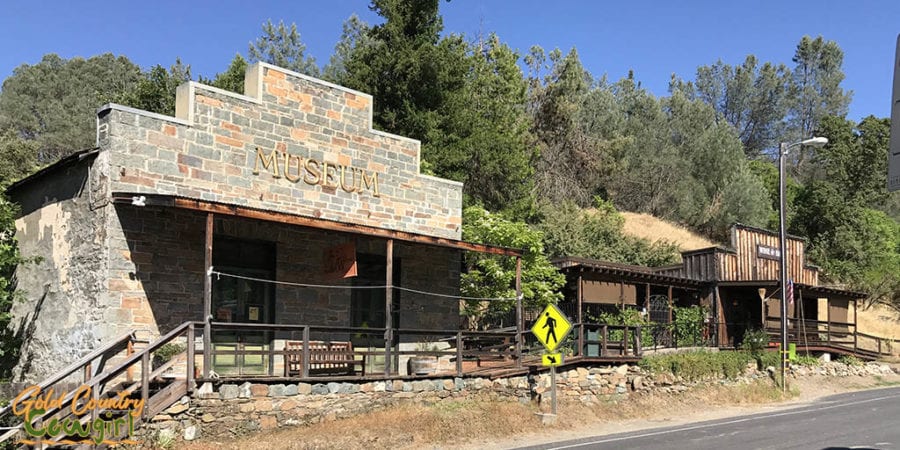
[(325, 357)]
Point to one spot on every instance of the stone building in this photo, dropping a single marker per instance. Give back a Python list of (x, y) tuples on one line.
[(287, 182)]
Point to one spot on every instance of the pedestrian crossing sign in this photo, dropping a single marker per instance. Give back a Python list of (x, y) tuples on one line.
[(551, 327)]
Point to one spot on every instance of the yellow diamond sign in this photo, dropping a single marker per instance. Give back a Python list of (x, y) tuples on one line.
[(551, 327), (552, 359)]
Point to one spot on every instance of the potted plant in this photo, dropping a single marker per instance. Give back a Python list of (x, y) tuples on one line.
[(423, 364)]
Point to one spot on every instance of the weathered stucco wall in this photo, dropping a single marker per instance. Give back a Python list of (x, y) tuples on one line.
[(63, 315)]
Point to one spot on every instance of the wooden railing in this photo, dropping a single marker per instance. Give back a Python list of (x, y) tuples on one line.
[(94, 361), (840, 335), (608, 341), (459, 346), (119, 380)]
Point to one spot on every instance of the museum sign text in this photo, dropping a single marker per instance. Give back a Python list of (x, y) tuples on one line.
[(313, 172)]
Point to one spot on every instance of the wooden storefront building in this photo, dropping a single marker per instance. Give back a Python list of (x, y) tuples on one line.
[(738, 285)]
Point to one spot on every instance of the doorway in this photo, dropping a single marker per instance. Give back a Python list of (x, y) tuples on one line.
[(367, 307), (244, 298)]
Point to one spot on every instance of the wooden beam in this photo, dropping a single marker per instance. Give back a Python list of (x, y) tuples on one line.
[(580, 315), (670, 303), (207, 295), (323, 224), (388, 313)]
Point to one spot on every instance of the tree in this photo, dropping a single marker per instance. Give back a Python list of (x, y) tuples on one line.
[(493, 277), (462, 101), (598, 233), (17, 157), (681, 164), (52, 105), (281, 46), (10, 259), (155, 91), (407, 68), (568, 161), (355, 34), (854, 158), (815, 91), (750, 97), (232, 79), (483, 137)]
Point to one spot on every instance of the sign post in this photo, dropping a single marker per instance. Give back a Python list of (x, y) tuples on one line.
[(893, 175), (551, 328)]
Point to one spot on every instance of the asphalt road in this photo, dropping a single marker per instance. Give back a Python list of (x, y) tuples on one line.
[(858, 420)]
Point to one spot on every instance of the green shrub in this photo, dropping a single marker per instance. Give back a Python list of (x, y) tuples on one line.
[(766, 359), (626, 316), (755, 341), (689, 324), (808, 361), (699, 365), (850, 360), (165, 353)]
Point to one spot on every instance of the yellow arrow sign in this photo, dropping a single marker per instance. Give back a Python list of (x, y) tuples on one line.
[(551, 327), (552, 359)]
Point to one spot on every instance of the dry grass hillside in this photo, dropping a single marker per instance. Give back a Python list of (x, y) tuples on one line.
[(654, 229), (879, 320)]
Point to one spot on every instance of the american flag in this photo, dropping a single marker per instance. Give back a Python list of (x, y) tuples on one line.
[(789, 293)]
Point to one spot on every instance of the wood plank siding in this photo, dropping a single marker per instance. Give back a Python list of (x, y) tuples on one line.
[(746, 259)]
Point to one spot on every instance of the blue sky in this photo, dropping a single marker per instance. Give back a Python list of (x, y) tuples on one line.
[(655, 39)]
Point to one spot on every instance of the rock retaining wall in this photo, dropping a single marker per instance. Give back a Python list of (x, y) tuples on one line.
[(230, 410)]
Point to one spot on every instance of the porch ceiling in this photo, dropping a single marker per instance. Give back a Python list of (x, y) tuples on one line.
[(173, 201)]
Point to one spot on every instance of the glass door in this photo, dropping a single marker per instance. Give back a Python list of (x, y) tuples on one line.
[(243, 296)]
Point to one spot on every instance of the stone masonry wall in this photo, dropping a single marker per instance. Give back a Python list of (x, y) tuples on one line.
[(156, 272), (232, 410), (212, 150)]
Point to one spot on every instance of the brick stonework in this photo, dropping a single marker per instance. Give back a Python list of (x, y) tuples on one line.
[(156, 271), (209, 152)]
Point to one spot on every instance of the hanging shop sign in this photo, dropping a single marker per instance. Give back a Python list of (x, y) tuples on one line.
[(340, 261)]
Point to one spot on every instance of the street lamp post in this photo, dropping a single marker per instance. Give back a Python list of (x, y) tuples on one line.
[(783, 150)]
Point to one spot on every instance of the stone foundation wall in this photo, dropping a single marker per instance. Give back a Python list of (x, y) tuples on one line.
[(230, 410)]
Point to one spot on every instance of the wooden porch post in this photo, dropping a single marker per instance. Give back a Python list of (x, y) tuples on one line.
[(519, 325), (855, 329), (207, 297), (647, 298), (388, 314), (580, 316), (722, 327), (671, 334)]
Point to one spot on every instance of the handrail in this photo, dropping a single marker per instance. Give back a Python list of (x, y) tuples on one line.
[(107, 375), (374, 331), (79, 364), (871, 336)]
